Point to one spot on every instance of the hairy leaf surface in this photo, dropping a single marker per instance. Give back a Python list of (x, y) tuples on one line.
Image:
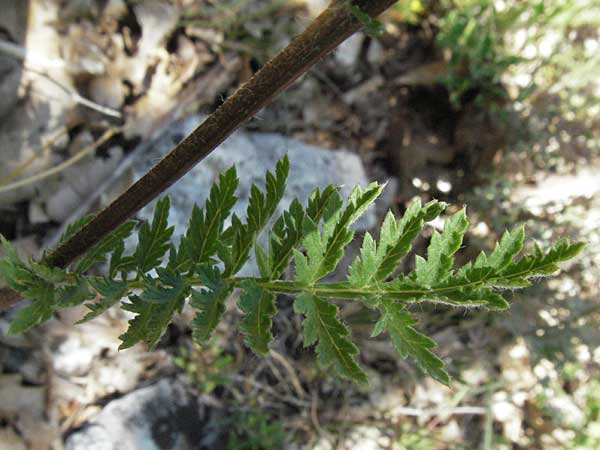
[(440, 253), (407, 341), (199, 244), (258, 305), (98, 253), (334, 347), (324, 250), (209, 302), (154, 308), (110, 292), (154, 240), (261, 207)]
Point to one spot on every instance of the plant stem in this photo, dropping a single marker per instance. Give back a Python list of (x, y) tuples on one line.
[(324, 34), (344, 290)]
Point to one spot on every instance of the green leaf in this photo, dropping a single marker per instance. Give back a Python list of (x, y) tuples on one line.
[(258, 304), (291, 227), (286, 235), (206, 225), (262, 261), (440, 253), (153, 240), (169, 285), (364, 267), (51, 275), (75, 227), (119, 263), (98, 253), (507, 249), (73, 295), (209, 302), (334, 347), (110, 291), (324, 250), (323, 229), (15, 272), (154, 309), (261, 207), (540, 263), (29, 283), (319, 202), (407, 341), (39, 311), (396, 239), (470, 296)]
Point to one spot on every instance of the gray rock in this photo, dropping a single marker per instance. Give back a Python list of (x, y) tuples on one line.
[(253, 154), (348, 52), (13, 24), (78, 182), (162, 416)]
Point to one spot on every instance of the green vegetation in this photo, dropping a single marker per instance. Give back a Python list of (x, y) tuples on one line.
[(207, 368), (205, 264), (253, 430), (477, 57)]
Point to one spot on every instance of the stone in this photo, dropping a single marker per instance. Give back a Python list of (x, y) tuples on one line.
[(164, 415), (23, 133), (107, 91), (316, 7), (13, 26), (10, 78), (253, 154), (348, 52), (364, 438), (157, 20), (40, 115), (78, 181)]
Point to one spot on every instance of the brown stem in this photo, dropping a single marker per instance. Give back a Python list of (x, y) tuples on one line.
[(324, 34)]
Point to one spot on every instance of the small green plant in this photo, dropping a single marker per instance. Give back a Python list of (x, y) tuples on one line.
[(477, 57), (205, 367), (253, 430), (414, 439), (203, 268), (580, 431)]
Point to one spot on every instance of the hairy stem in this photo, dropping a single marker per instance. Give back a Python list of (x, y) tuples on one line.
[(324, 34), (344, 290)]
